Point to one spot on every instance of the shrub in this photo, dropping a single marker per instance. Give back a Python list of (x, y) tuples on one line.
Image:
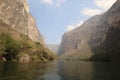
[(11, 48), (8, 46)]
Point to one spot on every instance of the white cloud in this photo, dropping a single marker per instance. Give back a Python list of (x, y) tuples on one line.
[(58, 4), (102, 4), (91, 12), (71, 27), (47, 1)]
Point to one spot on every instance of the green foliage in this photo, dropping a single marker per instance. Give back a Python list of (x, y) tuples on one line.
[(11, 49), (42, 54), (37, 44), (8, 46), (24, 37), (76, 58)]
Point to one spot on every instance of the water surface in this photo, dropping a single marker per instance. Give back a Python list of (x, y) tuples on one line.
[(70, 70)]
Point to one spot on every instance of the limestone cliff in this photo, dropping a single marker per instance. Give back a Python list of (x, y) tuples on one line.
[(16, 14), (97, 38), (20, 39)]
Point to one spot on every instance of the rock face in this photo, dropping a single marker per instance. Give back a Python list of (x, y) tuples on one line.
[(98, 36), (16, 13), (19, 37)]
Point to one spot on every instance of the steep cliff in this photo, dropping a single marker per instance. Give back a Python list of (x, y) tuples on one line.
[(19, 37), (16, 14), (98, 38)]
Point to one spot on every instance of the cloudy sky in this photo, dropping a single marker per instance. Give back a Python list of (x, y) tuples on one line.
[(55, 17)]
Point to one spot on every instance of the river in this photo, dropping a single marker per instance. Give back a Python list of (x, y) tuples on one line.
[(68, 70)]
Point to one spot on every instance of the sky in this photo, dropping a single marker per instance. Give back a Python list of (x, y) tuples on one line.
[(55, 17)]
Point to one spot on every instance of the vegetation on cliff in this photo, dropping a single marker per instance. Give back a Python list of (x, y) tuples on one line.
[(17, 46)]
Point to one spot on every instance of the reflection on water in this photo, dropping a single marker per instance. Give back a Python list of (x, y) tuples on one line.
[(19, 71), (76, 70), (89, 71), (106, 71), (59, 71)]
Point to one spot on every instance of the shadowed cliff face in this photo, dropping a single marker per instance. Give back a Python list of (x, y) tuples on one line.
[(97, 36), (79, 37), (16, 13)]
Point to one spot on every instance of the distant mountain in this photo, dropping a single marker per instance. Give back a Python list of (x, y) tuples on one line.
[(54, 48), (97, 39), (19, 37)]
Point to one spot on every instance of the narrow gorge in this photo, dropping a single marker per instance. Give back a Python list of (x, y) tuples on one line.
[(97, 39)]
